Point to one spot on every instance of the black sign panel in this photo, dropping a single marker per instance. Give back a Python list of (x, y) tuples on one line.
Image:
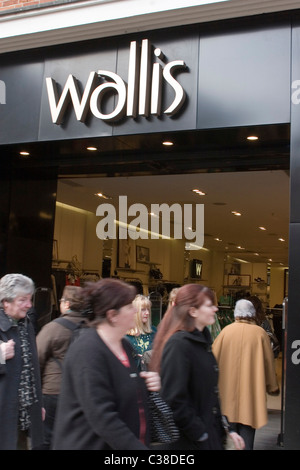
[(186, 79), (244, 78)]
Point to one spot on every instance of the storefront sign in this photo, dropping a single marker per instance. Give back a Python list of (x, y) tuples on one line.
[(141, 96)]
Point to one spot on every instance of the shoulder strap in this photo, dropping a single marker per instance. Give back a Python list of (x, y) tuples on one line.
[(67, 323)]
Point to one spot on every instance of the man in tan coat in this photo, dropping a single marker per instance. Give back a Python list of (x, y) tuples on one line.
[(247, 371)]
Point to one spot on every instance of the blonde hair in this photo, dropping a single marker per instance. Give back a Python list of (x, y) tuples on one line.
[(172, 296), (140, 302)]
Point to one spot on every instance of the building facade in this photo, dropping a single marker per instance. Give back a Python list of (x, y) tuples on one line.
[(123, 75)]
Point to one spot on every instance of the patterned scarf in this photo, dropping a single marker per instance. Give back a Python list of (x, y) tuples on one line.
[(27, 388)]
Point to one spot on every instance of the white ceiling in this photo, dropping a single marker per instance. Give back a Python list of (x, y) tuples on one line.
[(262, 197)]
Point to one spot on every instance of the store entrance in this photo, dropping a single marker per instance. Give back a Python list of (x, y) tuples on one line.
[(245, 251), (246, 225)]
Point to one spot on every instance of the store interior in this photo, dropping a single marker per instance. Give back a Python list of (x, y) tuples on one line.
[(246, 222), (245, 250)]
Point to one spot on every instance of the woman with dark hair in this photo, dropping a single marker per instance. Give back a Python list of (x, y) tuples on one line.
[(189, 373), (103, 399)]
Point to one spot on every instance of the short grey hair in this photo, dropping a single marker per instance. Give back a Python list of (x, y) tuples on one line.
[(13, 285), (244, 309)]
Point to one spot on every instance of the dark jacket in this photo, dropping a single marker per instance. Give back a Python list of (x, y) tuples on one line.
[(189, 374), (98, 404), (52, 343), (9, 384)]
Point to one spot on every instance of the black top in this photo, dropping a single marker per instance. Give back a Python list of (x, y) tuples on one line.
[(10, 374), (98, 406), (189, 375)]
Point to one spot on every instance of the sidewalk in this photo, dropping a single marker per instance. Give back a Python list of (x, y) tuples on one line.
[(266, 437)]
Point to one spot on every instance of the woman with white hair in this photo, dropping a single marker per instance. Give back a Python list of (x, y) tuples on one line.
[(20, 389), (246, 372)]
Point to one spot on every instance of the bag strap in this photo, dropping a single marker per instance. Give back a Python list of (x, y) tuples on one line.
[(67, 323), (70, 326)]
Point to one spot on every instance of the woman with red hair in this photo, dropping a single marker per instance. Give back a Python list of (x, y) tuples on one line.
[(182, 354)]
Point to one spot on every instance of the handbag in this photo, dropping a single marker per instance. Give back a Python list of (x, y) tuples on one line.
[(162, 425)]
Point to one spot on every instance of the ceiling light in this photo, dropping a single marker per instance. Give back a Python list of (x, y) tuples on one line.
[(252, 137), (92, 149), (281, 239), (218, 239), (256, 254), (104, 196), (167, 143), (199, 192), (262, 228), (240, 248), (236, 213), (24, 154)]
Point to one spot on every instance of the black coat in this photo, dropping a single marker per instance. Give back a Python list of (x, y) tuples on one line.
[(9, 384), (189, 374), (98, 404)]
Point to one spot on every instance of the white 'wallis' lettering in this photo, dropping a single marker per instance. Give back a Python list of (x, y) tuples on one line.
[(143, 93), (70, 93)]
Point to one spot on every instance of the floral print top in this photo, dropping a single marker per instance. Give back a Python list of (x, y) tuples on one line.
[(141, 344)]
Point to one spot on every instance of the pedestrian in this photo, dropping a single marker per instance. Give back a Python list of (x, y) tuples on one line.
[(20, 390), (263, 321), (142, 335), (52, 344), (244, 354), (103, 399), (172, 297), (189, 373)]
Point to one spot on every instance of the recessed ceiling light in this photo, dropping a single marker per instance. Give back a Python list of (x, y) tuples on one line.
[(262, 228), (281, 239), (92, 149), (236, 213), (199, 192), (218, 239), (168, 143), (24, 154), (240, 248), (252, 137), (104, 196)]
